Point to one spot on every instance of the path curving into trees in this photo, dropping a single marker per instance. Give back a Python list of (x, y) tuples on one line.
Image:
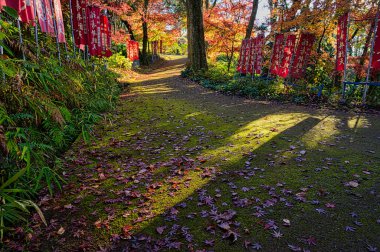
[(176, 166)]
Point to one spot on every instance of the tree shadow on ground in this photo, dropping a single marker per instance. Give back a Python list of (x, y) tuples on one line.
[(170, 113)]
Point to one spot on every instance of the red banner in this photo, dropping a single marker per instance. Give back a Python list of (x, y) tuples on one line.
[(376, 49), (302, 55), (109, 40), (45, 16), (132, 50), (287, 55), (49, 17), (247, 56), (257, 64), (341, 42), (136, 50), (94, 35), (24, 9), (27, 11), (244, 57), (80, 23), (59, 21), (239, 64), (253, 55), (105, 36), (276, 54)]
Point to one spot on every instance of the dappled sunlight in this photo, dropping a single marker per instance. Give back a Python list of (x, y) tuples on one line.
[(322, 132), (163, 201), (174, 154), (153, 89), (357, 122), (161, 75), (330, 126), (194, 114), (254, 135)]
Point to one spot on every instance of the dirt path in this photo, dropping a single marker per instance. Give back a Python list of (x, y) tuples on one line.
[(179, 167)]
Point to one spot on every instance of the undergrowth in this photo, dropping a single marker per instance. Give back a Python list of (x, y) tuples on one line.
[(45, 104), (317, 87)]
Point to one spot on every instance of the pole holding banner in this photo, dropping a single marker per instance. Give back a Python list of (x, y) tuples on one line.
[(36, 28), (371, 56), (20, 38), (72, 28), (1, 53), (345, 57), (55, 30)]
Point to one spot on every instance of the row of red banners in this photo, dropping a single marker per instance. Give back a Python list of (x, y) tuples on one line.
[(91, 28), (132, 50), (287, 60), (283, 63), (49, 13), (251, 55)]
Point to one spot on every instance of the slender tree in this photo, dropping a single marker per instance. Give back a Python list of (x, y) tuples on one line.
[(252, 19), (144, 54)]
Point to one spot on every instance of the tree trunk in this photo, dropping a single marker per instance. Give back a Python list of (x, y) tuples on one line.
[(129, 28), (367, 46), (195, 33), (230, 57), (144, 56), (319, 50), (252, 19)]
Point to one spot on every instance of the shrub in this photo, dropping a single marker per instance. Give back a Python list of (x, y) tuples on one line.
[(118, 60), (44, 106)]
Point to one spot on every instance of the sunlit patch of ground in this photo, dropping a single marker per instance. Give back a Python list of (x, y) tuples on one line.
[(173, 153)]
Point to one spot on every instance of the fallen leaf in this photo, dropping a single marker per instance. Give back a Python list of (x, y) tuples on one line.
[(61, 231), (160, 230)]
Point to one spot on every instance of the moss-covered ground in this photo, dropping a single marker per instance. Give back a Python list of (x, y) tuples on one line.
[(179, 167)]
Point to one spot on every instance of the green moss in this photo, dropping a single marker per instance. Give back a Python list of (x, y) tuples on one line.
[(165, 119)]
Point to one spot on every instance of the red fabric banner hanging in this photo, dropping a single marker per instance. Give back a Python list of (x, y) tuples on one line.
[(24, 9), (257, 64), (80, 23), (376, 49), (276, 54), (94, 36), (59, 21), (302, 55), (136, 50), (27, 12), (105, 36), (45, 16), (247, 56), (341, 42), (244, 56), (253, 55), (103, 33), (239, 64), (132, 50), (49, 18), (287, 55), (109, 40)]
